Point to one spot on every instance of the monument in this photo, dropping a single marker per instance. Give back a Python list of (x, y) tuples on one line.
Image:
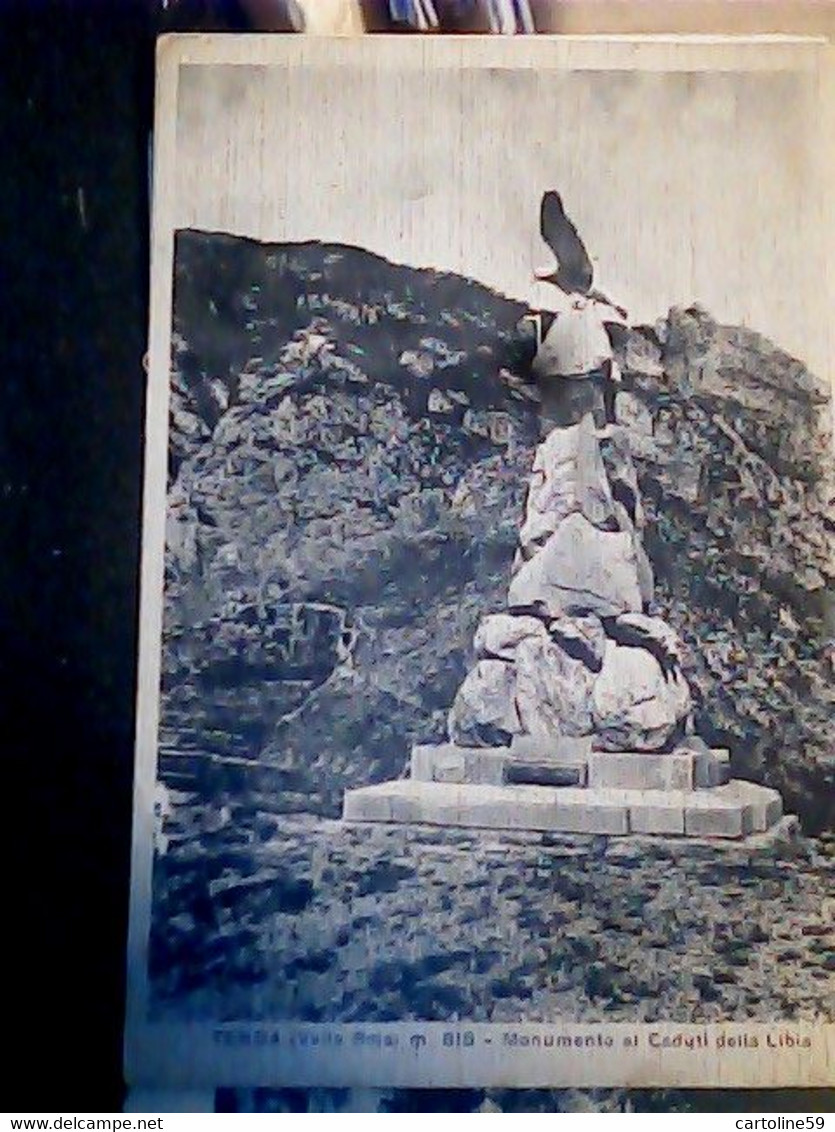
[(576, 716)]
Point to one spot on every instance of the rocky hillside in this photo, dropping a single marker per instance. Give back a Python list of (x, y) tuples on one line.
[(736, 471), (350, 445)]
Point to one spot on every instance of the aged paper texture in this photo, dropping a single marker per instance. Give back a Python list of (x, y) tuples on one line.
[(486, 671)]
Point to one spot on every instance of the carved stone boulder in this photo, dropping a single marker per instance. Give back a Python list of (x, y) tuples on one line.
[(636, 704), (553, 690), (484, 712), (580, 570), (568, 476), (499, 635), (576, 344)]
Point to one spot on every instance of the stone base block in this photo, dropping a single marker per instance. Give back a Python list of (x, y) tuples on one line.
[(712, 768), (561, 750), (764, 804), (657, 812), (450, 763), (629, 770), (544, 774), (712, 817), (734, 810)]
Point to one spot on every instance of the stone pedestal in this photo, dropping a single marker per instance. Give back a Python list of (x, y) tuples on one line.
[(610, 793)]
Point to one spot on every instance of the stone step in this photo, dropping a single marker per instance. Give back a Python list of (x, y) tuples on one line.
[(733, 810)]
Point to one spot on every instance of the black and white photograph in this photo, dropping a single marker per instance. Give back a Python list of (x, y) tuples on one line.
[(486, 673)]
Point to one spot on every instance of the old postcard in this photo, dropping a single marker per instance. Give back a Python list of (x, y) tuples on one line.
[(486, 675)]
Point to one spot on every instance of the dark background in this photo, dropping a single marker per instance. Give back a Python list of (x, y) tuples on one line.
[(76, 114)]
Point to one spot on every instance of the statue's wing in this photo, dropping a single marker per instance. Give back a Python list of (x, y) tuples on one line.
[(575, 273)]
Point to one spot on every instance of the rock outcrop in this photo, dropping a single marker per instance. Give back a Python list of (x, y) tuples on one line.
[(737, 476)]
